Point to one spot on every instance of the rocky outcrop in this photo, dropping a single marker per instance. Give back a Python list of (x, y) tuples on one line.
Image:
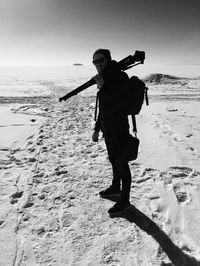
[(162, 78)]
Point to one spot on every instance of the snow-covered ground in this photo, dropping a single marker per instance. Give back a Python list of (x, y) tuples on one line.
[(51, 173)]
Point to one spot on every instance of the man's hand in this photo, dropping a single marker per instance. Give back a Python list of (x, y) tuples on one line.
[(95, 136), (99, 80), (61, 99)]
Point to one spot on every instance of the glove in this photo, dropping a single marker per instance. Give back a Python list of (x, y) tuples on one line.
[(60, 99), (95, 136)]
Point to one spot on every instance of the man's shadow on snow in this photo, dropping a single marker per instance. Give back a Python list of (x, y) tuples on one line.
[(175, 254)]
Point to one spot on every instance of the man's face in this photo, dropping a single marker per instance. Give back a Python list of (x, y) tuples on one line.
[(99, 62)]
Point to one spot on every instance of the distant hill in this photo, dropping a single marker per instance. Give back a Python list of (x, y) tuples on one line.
[(163, 78), (77, 64), (5, 78)]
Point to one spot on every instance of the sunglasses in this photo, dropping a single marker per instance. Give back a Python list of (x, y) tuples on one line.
[(98, 61)]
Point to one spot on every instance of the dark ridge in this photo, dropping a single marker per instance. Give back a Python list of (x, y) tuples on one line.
[(162, 78)]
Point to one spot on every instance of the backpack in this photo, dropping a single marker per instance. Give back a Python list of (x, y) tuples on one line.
[(131, 99), (135, 91)]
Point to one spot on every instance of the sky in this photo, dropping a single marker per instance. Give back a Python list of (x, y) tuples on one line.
[(63, 32)]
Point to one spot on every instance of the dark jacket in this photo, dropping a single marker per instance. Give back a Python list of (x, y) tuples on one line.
[(111, 119)]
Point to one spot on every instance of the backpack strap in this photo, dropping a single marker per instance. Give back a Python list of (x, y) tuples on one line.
[(134, 125), (146, 95)]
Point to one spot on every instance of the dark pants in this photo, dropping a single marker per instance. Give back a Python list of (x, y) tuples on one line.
[(121, 170), (121, 174)]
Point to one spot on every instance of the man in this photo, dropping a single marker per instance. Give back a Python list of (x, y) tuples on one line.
[(113, 122)]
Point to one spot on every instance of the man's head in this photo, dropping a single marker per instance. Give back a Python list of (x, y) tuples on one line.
[(100, 59)]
